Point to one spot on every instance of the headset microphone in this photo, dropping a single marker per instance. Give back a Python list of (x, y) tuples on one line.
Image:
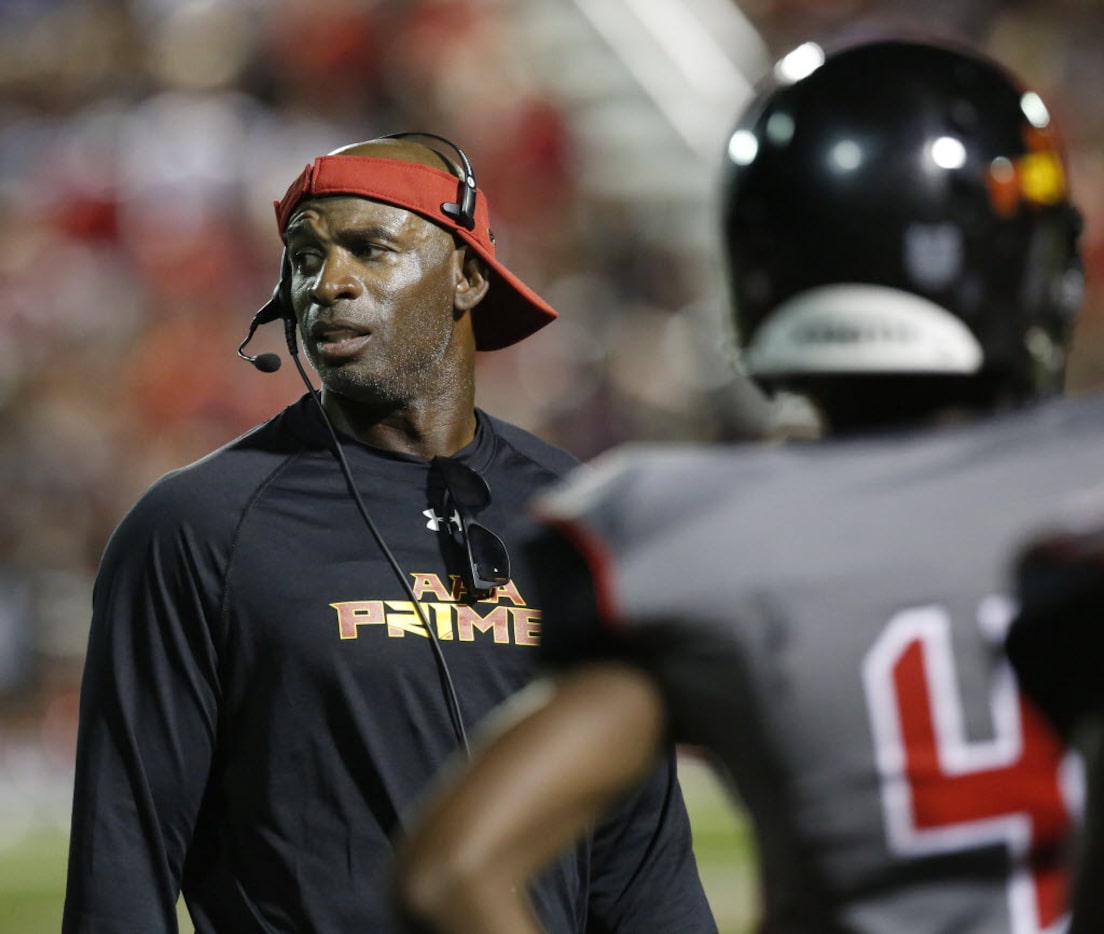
[(265, 362)]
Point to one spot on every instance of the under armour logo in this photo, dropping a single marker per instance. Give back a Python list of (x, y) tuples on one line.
[(434, 523)]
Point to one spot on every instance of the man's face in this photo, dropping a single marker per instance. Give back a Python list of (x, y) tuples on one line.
[(373, 290)]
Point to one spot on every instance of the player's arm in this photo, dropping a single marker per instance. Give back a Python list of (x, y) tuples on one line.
[(145, 737), (563, 753)]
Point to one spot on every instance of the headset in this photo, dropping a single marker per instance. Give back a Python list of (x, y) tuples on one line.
[(279, 307)]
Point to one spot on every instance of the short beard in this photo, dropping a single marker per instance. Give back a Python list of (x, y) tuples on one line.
[(414, 372)]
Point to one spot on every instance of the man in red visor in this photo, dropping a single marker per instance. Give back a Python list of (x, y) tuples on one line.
[(293, 634)]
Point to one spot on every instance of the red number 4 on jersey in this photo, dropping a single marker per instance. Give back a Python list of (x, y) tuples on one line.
[(943, 792)]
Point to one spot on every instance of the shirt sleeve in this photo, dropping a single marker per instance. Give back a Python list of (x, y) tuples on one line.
[(1056, 643), (643, 874), (148, 713)]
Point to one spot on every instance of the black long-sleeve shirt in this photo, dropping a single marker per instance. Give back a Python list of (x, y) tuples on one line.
[(261, 705)]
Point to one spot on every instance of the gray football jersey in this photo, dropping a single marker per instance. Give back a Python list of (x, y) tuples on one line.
[(828, 620)]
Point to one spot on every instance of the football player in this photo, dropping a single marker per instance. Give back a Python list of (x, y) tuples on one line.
[(827, 619)]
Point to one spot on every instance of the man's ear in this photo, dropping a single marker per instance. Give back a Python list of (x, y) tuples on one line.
[(472, 282)]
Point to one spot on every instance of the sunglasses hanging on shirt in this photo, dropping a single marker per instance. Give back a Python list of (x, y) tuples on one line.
[(487, 563)]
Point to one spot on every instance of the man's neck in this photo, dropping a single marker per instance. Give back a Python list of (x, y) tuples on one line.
[(422, 429)]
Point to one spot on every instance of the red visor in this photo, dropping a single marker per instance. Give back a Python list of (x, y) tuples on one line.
[(510, 310)]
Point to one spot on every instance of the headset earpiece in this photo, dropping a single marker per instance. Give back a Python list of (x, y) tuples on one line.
[(462, 210), (277, 307)]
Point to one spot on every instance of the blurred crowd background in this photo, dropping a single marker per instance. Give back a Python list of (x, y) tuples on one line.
[(142, 144)]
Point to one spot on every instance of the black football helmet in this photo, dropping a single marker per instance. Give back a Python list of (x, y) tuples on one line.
[(900, 207)]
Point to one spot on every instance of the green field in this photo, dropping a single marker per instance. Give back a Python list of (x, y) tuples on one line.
[(32, 865), (32, 878)]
